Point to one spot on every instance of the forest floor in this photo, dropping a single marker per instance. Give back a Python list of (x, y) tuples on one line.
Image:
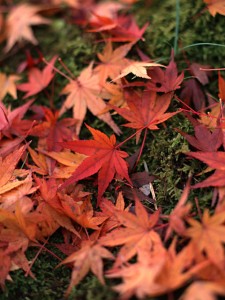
[(185, 29)]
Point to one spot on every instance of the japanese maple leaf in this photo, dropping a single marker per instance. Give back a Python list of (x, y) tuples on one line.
[(84, 93), (203, 290), (13, 121), (204, 140), (81, 211), (178, 214), (156, 272), (122, 28), (50, 209), (146, 111), (102, 23), (38, 80), (52, 130), (112, 61), (115, 94), (138, 69), (7, 85), (89, 257), (68, 162), (215, 160), (165, 81), (216, 6), (18, 23), (208, 236), (108, 209), (41, 166), (30, 61), (192, 92), (127, 30), (139, 278), (8, 166), (103, 14), (104, 158), (137, 233)]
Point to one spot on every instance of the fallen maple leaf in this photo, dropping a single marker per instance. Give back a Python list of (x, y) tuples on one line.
[(38, 80), (204, 140), (208, 236), (138, 69), (215, 160), (84, 93), (52, 130), (192, 92), (88, 257), (12, 121), (136, 235), (203, 290), (156, 272), (115, 94), (165, 81), (215, 6), (8, 165), (146, 110), (112, 61), (81, 211), (7, 85), (18, 23), (127, 30), (139, 278), (178, 214), (105, 158), (108, 209)]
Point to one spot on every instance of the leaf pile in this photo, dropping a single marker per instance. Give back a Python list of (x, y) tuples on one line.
[(46, 169)]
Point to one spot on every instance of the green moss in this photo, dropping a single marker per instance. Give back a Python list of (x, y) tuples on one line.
[(165, 158)]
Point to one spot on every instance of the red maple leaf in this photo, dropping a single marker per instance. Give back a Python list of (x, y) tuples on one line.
[(52, 130), (11, 122), (104, 158), (146, 110), (215, 160), (38, 80), (204, 139), (165, 81)]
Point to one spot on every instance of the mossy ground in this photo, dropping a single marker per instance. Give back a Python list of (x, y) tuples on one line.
[(164, 149)]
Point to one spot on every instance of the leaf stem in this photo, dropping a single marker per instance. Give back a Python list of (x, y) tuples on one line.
[(129, 138), (141, 149)]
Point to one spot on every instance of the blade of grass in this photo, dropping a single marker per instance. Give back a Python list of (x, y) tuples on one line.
[(177, 27)]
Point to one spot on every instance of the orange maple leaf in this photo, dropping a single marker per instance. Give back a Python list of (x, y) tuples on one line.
[(88, 257), (176, 217), (208, 236), (156, 272), (7, 169), (203, 290), (38, 80), (84, 92), (110, 210), (136, 234), (18, 23), (7, 85), (112, 61), (216, 6)]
